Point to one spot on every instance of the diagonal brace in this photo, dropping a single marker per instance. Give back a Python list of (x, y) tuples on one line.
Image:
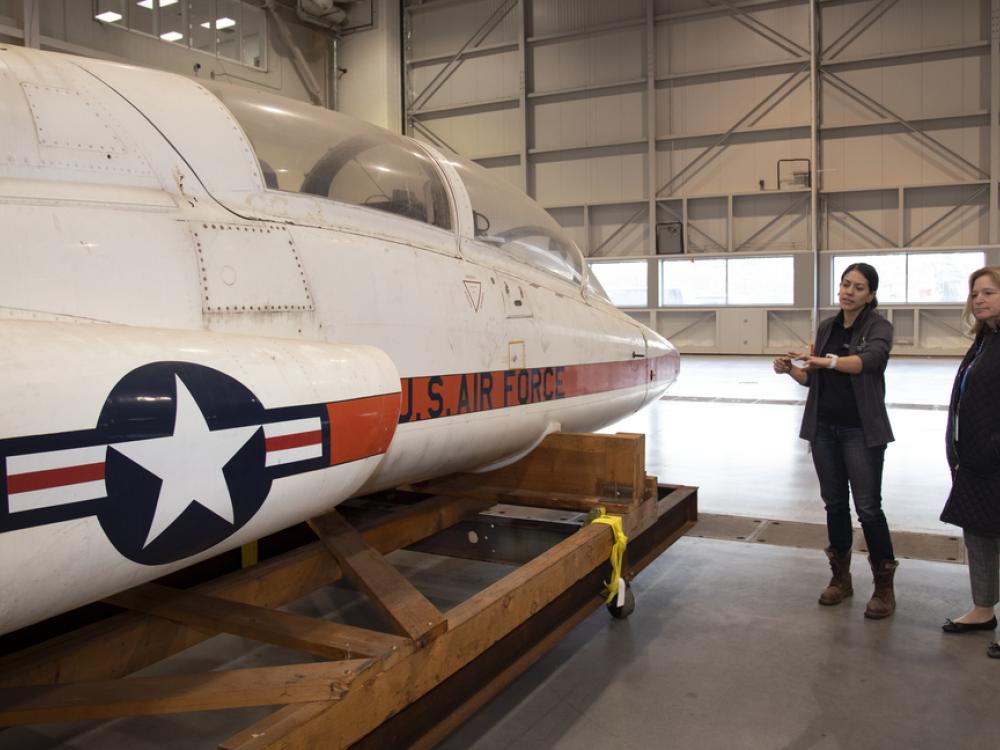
[(949, 213), (698, 160), (388, 589), (788, 209), (836, 217), (853, 31), (877, 106), (452, 65), (759, 27)]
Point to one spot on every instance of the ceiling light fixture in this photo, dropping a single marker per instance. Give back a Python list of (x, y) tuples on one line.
[(109, 16), (171, 36), (220, 23)]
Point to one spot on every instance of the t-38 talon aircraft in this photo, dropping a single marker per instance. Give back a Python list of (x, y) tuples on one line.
[(224, 312)]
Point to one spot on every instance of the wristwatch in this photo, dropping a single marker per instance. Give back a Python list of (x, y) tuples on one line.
[(833, 361)]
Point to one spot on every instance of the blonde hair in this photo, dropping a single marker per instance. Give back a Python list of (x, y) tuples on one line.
[(976, 326)]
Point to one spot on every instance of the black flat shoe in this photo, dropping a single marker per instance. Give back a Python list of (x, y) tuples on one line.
[(993, 651), (968, 627)]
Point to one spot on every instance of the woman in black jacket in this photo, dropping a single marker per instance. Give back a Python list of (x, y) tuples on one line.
[(847, 426), (973, 447)]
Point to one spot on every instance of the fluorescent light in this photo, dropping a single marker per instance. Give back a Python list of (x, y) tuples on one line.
[(171, 36), (220, 23), (109, 16), (149, 3)]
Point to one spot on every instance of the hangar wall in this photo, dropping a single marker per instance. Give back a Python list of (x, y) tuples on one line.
[(69, 26), (700, 118)]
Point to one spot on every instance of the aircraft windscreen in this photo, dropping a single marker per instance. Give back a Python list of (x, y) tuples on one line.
[(307, 149), (506, 217)]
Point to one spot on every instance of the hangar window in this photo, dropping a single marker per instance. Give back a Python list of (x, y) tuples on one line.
[(915, 278), (229, 29), (626, 281), (307, 149), (506, 217), (714, 282)]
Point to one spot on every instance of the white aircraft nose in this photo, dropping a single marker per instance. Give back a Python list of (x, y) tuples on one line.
[(664, 364)]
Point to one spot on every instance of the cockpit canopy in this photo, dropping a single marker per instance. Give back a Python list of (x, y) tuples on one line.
[(307, 149)]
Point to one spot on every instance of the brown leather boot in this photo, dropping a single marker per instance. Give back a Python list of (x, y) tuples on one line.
[(883, 601), (840, 586)]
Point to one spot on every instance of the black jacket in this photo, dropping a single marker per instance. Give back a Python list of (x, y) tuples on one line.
[(974, 458), (871, 339)]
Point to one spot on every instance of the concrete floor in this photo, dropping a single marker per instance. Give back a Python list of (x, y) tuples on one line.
[(727, 647)]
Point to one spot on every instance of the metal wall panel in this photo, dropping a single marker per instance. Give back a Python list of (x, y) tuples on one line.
[(641, 112)]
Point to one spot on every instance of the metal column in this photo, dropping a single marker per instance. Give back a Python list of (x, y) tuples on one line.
[(994, 117), (814, 117)]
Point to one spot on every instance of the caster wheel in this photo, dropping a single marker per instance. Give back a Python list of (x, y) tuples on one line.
[(620, 613)]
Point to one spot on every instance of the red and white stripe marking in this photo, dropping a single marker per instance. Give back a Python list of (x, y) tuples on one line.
[(293, 440), (44, 480)]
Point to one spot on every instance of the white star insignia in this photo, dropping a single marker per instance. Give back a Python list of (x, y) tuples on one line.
[(189, 463)]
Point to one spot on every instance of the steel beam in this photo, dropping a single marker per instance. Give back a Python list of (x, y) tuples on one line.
[(527, 184), (704, 318), (877, 106), (32, 29), (815, 118), (774, 220), (430, 135), (839, 217), (772, 315), (994, 213), (651, 139), (456, 60), (946, 215), (688, 226), (856, 29), (759, 27), (298, 60), (697, 161)]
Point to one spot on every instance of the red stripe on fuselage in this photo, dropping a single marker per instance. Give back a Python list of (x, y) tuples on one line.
[(362, 427), (296, 440), (49, 478), (434, 396)]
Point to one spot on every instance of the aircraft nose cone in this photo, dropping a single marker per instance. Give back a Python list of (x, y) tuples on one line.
[(664, 363)]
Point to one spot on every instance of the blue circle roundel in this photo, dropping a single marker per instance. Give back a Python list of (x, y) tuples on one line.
[(185, 465)]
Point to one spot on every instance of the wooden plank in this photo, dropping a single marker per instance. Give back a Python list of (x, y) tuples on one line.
[(427, 721), (473, 626), (420, 521), (567, 471), (298, 632), (468, 485), (129, 642), (609, 466), (298, 683), (415, 617)]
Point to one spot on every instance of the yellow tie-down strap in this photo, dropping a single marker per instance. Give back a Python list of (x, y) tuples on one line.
[(616, 585)]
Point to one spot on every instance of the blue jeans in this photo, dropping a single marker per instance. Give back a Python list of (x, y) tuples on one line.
[(846, 466)]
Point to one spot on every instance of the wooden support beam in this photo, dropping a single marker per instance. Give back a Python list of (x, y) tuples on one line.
[(587, 469), (416, 617), (297, 683), (129, 642), (298, 632), (473, 626)]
